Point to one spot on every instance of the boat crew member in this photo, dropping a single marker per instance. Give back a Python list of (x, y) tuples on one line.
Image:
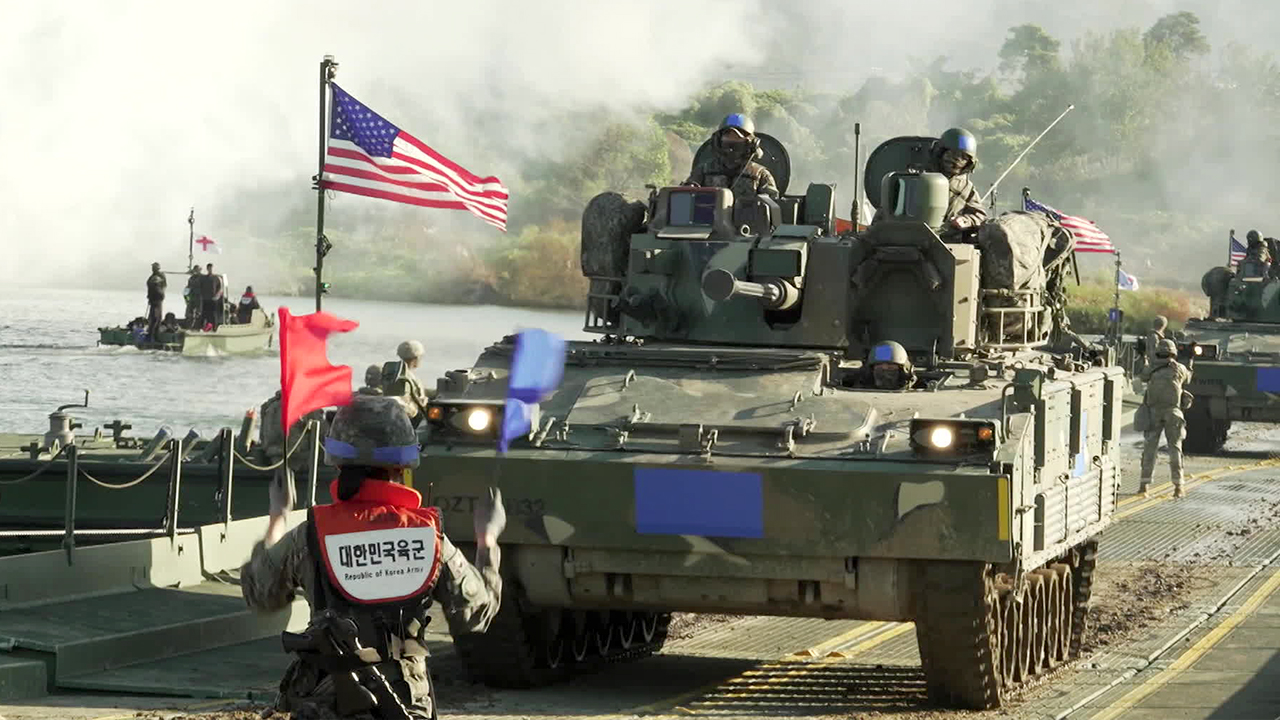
[(194, 294), (248, 303), (155, 299), (210, 299), (170, 324), (1164, 402), (371, 442)]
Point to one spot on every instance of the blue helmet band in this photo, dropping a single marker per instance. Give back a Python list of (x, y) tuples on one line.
[(968, 143), (883, 353), (394, 455), (737, 120)]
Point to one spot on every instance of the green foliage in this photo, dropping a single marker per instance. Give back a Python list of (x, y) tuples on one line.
[(1147, 153), (540, 267), (1179, 33), (1088, 306)]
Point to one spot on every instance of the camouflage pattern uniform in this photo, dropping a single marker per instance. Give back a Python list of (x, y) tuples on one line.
[(403, 384), (1154, 338), (470, 596), (1257, 259), (753, 180), (964, 204), (733, 165), (372, 381), (1163, 397)]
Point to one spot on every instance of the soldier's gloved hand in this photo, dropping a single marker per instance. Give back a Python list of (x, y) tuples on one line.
[(281, 492), (490, 517)]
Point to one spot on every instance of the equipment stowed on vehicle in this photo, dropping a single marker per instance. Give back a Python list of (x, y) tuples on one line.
[(723, 446)]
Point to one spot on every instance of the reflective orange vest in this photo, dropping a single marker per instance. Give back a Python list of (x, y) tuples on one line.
[(381, 547)]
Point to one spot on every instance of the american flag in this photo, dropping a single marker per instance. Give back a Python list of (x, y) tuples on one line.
[(1237, 252), (1088, 237), (367, 155)]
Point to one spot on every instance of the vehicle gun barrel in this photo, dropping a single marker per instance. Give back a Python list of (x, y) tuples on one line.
[(720, 285)]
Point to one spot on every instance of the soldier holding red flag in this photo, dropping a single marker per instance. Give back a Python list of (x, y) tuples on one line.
[(372, 562)]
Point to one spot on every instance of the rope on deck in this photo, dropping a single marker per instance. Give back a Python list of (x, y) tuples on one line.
[(39, 471), (121, 486)]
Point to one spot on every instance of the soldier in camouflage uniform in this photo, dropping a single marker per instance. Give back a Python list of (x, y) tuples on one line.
[(887, 367), (955, 155), (1158, 325), (372, 381), (734, 165), (1257, 259), (398, 380), (1163, 399), (372, 442)]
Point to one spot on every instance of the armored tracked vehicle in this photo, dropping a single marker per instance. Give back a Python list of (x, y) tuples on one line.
[(724, 446), (1236, 354)]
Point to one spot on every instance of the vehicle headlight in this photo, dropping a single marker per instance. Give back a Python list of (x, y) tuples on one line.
[(465, 419), (478, 419), (953, 437), (941, 437)]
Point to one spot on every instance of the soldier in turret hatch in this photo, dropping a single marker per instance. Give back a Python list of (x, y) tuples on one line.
[(1257, 260), (888, 367), (955, 155), (733, 164)]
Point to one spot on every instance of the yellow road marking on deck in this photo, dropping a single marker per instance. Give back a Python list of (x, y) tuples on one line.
[(673, 703), (1002, 505), (1192, 481), (1194, 653), (782, 671)]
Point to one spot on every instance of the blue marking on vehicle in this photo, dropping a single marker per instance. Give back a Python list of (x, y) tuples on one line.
[(678, 501), (1267, 379)]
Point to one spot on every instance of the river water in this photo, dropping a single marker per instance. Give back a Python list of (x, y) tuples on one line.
[(49, 356)]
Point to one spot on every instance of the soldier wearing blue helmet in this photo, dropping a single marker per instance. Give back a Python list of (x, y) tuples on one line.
[(955, 155), (371, 564), (734, 165)]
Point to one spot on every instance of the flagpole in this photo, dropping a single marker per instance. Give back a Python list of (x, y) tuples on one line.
[(328, 68), (1231, 237), (191, 239), (1116, 323)]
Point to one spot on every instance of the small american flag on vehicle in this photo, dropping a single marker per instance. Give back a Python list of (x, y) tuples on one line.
[(367, 155), (1088, 237), (1237, 252)]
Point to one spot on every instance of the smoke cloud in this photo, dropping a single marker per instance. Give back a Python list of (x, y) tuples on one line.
[(120, 116)]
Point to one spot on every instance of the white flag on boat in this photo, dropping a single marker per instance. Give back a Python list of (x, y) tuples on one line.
[(208, 244)]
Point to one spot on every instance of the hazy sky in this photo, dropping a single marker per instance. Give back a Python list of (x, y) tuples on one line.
[(119, 116)]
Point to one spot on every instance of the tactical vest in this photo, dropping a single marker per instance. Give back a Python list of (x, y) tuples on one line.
[(377, 558)]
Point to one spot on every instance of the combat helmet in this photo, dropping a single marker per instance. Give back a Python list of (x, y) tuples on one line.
[(373, 431), (1166, 348), (962, 147), (735, 140), (410, 349), (890, 366), (1159, 323)]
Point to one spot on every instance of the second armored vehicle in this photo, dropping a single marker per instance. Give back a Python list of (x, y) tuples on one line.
[(1236, 354), (780, 420)]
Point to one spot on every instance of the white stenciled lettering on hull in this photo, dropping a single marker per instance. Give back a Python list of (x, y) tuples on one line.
[(376, 565)]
